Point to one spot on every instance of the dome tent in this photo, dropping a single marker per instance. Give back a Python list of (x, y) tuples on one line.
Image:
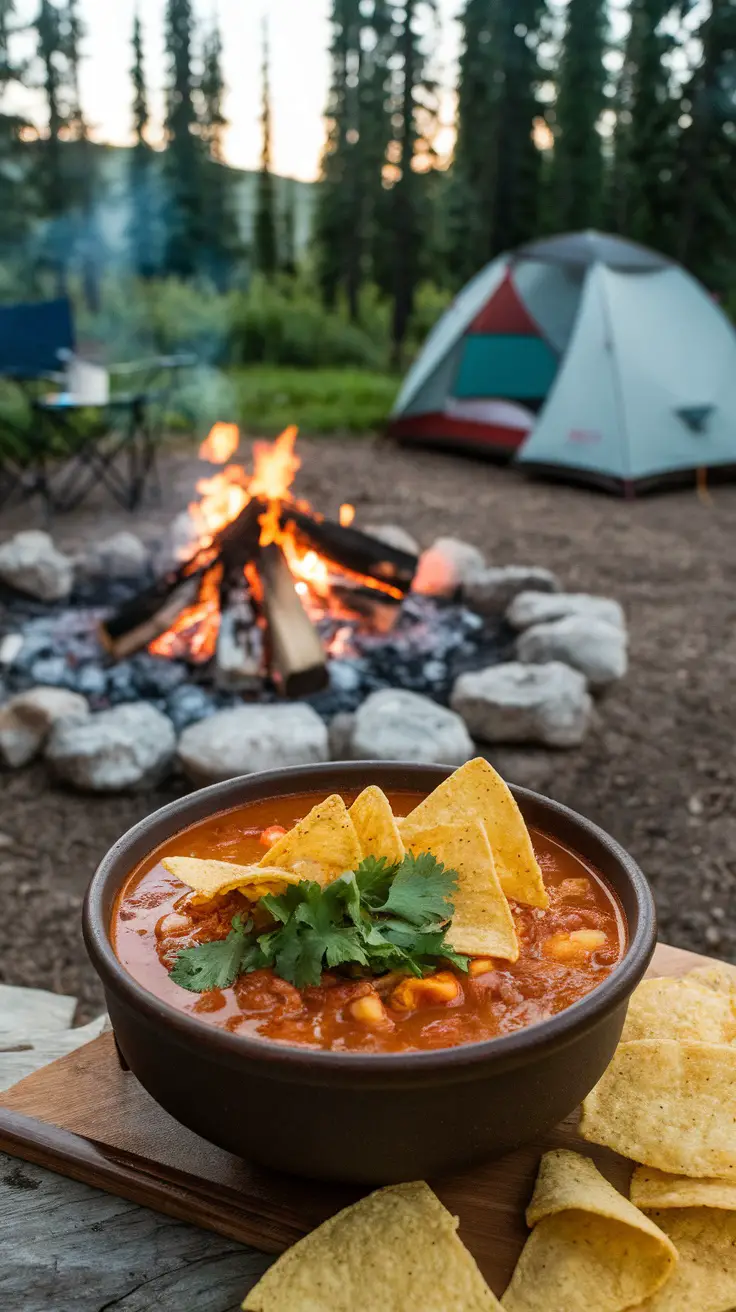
[(623, 365)]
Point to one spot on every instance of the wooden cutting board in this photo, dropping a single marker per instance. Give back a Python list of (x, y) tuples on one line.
[(85, 1117)]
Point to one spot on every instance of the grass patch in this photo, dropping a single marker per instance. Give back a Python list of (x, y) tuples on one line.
[(268, 397)]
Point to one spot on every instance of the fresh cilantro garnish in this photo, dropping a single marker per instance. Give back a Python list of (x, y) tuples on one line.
[(377, 918), (217, 965), (421, 891), (374, 877)]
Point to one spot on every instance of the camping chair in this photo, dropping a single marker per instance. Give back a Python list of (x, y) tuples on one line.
[(83, 435)]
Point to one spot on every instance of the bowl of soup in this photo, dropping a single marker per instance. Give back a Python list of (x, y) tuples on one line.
[(368, 971)]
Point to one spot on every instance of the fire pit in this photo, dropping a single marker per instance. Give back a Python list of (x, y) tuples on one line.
[(270, 602)]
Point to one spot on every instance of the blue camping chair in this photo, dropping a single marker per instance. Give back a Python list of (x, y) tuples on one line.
[(60, 458)]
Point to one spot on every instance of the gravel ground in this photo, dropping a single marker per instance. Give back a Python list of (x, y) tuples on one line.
[(658, 769)]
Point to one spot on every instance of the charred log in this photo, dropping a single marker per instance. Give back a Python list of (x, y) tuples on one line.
[(352, 550), (148, 615)]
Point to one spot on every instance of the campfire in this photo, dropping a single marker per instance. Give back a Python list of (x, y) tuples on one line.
[(262, 571)]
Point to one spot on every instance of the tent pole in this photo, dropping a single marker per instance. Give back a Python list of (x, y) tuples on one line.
[(702, 484)]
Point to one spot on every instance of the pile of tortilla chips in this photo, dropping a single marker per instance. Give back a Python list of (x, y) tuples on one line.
[(668, 1101), (590, 1249), (470, 823)]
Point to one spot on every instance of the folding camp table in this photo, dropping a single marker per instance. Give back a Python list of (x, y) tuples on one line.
[(82, 436)]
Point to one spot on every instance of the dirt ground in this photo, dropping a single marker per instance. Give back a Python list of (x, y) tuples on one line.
[(658, 769)]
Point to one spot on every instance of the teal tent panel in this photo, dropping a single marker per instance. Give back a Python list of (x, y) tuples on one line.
[(520, 368)]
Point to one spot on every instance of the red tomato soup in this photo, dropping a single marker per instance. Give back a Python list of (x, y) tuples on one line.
[(565, 951)]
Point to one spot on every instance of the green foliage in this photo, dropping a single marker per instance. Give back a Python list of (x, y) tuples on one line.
[(323, 928)]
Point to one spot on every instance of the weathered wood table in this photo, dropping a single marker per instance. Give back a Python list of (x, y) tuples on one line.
[(67, 1248)]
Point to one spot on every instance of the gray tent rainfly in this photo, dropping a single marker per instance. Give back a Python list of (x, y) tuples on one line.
[(583, 355)]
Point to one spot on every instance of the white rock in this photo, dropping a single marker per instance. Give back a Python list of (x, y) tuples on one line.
[(130, 746), (491, 591), (28, 718), (31, 563), (250, 738), (341, 733), (540, 607), (394, 725), (446, 566), (394, 536), (122, 556), (596, 649), (515, 703)]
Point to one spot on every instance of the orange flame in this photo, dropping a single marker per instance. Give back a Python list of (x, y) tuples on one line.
[(347, 514), (194, 632), (220, 444)]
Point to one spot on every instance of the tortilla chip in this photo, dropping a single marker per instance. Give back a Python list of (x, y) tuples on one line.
[(482, 924), (717, 975), (590, 1249), (705, 1276), (395, 1249), (325, 838), (209, 878), (656, 1189), (679, 1009), (668, 1104), (476, 791), (376, 827)]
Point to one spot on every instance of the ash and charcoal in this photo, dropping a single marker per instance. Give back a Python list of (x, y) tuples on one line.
[(430, 645)]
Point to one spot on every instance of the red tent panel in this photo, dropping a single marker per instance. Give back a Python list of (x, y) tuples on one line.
[(440, 427), (505, 313)]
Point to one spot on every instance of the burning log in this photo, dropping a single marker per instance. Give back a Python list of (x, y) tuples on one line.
[(297, 658), (352, 550), (149, 614)]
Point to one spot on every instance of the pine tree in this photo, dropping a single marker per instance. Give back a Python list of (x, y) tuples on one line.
[(494, 196), (49, 46), (287, 244), (15, 184), (81, 170), (183, 159), (223, 245), (413, 117), (265, 234), (141, 232), (351, 211), (647, 131), (577, 172), (706, 172)]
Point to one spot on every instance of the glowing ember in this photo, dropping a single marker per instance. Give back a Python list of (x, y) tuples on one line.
[(347, 514), (221, 444), (194, 632)]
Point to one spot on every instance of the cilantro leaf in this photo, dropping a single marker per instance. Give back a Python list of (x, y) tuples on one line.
[(374, 877), (216, 965), (422, 891), (314, 934), (283, 905)]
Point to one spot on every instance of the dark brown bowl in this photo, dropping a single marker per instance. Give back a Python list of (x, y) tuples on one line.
[(374, 1119)]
